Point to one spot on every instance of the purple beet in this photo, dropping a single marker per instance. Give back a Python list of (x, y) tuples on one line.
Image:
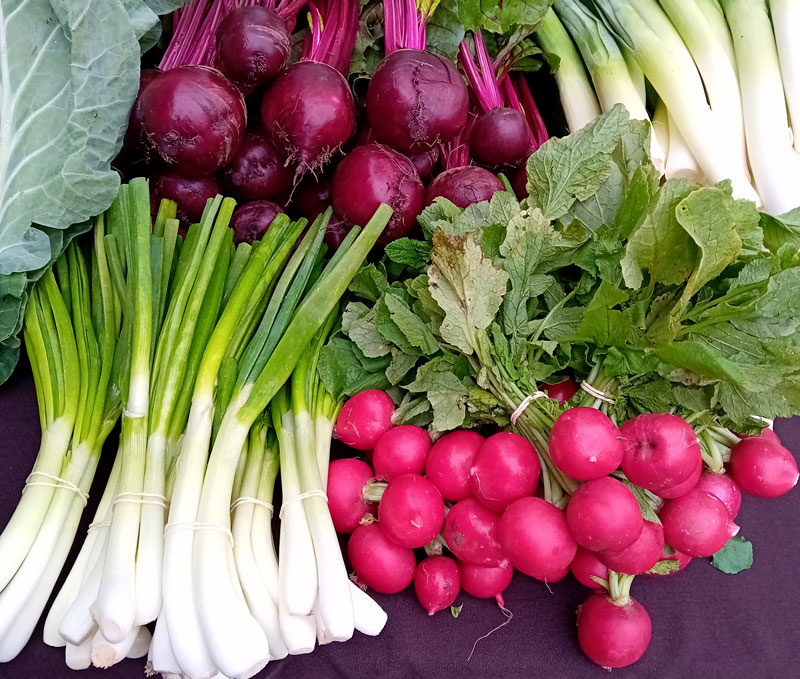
[(309, 113), (520, 182), (253, 46), (501, 138), (416, 100), (190, 193), (375, 174), (464, 186), (258, 171), (336, 232), (251, 221), (425, 162), (312, 195)]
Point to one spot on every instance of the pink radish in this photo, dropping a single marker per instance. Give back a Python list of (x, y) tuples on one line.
[(401, 450), (471, 533), (448, 463), (681, 559), (641, 556), (560, 391), (378, 562), (604, 516), (554, 576), (585, 444), (364, 418), (763, 468), (505, 469), (535, 535), (661, 452), (613, 634), (697, 524), (766, 433), (485, 582), (723, 487), (411, 511), (586, 564), (437, 583), (346, 481)]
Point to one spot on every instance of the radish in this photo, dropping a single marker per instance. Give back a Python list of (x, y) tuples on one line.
[(639, 557), (401, 450), (378, 562), (485, 582), (448, 463), (604, 516), (258, 170), (697, 524), (763, 468), (346, 480), (195, 119), (416, 100), (613, 634), (251, 221), (191, 194), (472, 533), (411, 511), (723, 487), (766, 433), (661, 453), (253, 46), (585, 444), (437, 583), (585, 565), (464, 186), (535, 536), (560, 391), (554, 576), (505, 469), (500, 138), (364, 418), (681, 559), (381, 175)]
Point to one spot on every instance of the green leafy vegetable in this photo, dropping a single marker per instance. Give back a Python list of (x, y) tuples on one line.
[(734, 557)]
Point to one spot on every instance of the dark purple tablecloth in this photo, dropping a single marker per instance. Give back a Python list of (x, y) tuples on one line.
[(705, 624)]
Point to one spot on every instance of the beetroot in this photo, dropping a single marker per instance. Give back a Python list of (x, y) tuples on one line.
[(336, 232), (309, 113), (604, 516), (520, 184), (375, 174), (613, 634), (191, 194), (364, 418), (416, 100), (436, 583), (425, 162), (258, 171), (723, 487), (485, 582), (585, 444), (535, 536), (561, 391), (505, 469), (697, 524), (500, 138), (401, 450), (449, 460), (763, 468), (639, 557), (253, 46), (251, 221), (471, 533), (586, 564), (312, 196), (378, 562), (411, 511), (464, 186), (661, 452), (346, 480), (195, 119)]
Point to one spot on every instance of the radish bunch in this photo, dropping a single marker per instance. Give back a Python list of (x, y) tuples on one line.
[(645, 505)]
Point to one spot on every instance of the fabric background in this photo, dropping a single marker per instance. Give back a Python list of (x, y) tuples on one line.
[(705, 624)]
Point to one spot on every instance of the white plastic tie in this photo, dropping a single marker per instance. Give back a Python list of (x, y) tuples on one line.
[(593, 391), (300, 497), (51, 481), (173, 526), (247, 500), (530, 398), (141, 499)]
